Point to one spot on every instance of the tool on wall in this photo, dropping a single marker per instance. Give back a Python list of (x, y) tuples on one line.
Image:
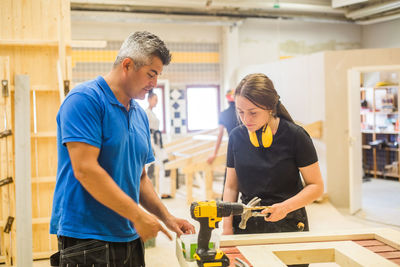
[(6, 178)]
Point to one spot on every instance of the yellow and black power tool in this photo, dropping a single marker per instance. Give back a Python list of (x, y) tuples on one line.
[(209, 213)]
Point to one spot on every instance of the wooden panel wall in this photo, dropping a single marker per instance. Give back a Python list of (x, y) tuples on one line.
[(35, 40)]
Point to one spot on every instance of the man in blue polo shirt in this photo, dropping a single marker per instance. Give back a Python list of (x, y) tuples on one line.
[(103, 144)]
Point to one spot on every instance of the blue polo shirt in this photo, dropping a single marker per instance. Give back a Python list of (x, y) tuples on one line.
[(91, 114)]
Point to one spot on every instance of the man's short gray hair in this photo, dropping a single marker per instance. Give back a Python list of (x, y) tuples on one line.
[(141, 47)]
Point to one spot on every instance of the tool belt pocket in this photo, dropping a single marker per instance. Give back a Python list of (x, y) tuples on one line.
[(296, 221), (88, 252)]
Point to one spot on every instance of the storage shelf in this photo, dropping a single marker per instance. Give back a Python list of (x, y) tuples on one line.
[(40, 88), (385, 148), (376, 132), (42, 254), (42, 220), (389, 174), (379, 114), (386, 87), (31, 42), (379, 87), (44, 135), (44, 179)]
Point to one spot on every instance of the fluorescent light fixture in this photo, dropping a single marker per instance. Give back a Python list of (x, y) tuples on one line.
[(342, 3), (375, 9), (378, 20)]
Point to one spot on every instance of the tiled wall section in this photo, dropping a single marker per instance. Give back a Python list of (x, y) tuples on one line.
[(178, 111), (192, 64)]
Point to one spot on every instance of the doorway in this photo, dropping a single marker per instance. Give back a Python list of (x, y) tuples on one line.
[(374, 143)]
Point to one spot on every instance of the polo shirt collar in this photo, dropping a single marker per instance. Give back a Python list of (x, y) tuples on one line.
[(110, 95)]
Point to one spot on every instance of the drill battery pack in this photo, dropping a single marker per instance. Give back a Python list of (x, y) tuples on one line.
[(212, 258)]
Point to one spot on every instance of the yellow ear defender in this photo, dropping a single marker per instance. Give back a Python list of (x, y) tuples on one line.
[(266, 137)]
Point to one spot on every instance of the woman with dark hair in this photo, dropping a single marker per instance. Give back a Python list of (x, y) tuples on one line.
[(266, 155)]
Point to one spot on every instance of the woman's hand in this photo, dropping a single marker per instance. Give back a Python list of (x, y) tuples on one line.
[(227, 231), (277, 212)]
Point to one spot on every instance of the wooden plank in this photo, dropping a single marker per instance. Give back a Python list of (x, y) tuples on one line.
[(388, 236), (193, 158), (253, 254), (189, 137), (44, 135), (384, 248), (43, 179), (390, 255), (298, 237), (25, 42), (344, 253), (23, 171), (370, 242), (183, 145), (313, 129), (43, 220), (396, 261), (173, 182), (42, 255)]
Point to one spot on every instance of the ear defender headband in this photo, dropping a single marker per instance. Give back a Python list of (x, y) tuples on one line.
[(266, 137)]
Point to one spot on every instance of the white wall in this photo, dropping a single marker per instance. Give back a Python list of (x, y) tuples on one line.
[(265, 40), (381, 35), (117, 26), (301, 85)]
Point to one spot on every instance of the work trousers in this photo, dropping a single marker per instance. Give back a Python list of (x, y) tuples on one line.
[(74, 252)]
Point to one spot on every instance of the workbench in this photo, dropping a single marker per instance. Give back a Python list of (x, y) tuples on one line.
[(358, 247)]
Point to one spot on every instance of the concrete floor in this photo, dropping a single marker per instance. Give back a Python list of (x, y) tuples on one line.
[(381, 208), (381, 201)]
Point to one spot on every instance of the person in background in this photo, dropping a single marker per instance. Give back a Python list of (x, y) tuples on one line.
[(161, 156), (103, 141), (266, 155), (227, 120)]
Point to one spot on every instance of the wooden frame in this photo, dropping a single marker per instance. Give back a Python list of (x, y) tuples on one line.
[(279, 249)]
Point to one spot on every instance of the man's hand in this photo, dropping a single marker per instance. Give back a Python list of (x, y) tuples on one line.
[(179, 226), (148, 226), (277, 212)]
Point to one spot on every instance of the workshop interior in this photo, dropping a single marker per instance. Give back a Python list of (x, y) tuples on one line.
[(271, 127)]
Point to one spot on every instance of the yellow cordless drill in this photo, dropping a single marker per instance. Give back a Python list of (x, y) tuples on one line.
[(209, 213)]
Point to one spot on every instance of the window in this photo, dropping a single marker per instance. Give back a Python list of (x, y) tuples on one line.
[(159, 109), (202, 107)]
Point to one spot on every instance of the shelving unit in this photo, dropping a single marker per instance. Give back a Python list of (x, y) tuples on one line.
[(35, 41), (380, 128)]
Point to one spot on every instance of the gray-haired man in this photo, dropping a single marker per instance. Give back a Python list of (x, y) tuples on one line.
[(103, 144)]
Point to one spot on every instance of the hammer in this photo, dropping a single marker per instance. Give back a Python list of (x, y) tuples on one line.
[(249, 211)]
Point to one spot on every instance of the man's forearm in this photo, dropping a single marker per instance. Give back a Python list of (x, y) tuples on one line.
[(103, 188), (150, 200)]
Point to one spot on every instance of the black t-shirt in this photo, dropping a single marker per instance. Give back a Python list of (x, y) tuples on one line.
[(272, 173), (228, 118)]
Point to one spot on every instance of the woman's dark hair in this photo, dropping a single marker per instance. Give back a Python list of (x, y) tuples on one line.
[(260, 90)]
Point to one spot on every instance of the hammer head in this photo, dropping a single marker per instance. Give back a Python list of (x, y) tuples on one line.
[(248, 213)]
